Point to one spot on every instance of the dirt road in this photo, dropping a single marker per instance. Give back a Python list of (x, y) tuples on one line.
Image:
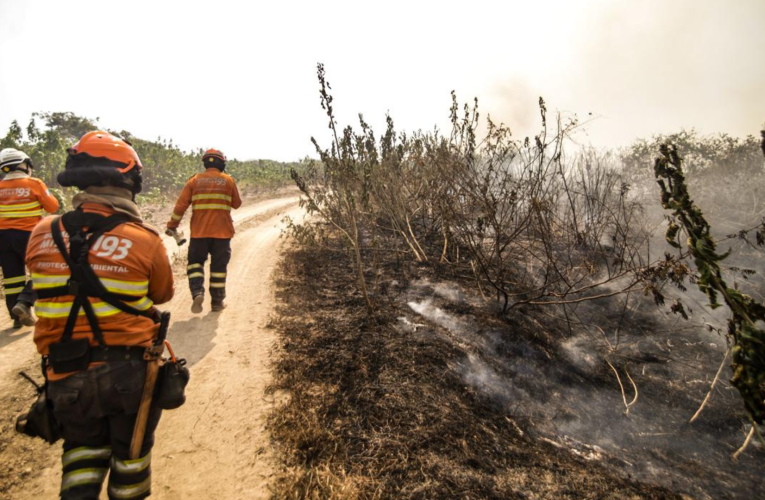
[(215, 446)]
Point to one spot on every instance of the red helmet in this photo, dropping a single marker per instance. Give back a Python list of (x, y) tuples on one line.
[(215, 159), (101, 159)]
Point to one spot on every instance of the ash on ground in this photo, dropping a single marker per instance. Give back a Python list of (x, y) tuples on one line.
[(561, 384)]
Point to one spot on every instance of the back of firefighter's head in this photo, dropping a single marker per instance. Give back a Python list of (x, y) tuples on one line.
[(214, 159), (101, 159), (13, 159)]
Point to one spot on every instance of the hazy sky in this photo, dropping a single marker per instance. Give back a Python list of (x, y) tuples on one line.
[(240, 76)]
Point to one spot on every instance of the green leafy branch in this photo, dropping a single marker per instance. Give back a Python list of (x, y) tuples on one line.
[(746, 338)]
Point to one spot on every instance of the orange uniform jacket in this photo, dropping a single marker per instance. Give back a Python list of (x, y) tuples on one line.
[(23, 200), (130, 260), (211, 194)]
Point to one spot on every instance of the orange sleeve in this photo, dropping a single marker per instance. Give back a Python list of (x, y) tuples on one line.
[(184, 200), (47, 200), (161, 286), (236, 200), (34, 238)]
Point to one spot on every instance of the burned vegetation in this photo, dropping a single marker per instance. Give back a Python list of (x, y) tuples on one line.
[(382, 407), (502, 318)]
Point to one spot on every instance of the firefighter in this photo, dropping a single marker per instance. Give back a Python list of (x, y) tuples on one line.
[(97, 272), (212, 194), (23, 200)]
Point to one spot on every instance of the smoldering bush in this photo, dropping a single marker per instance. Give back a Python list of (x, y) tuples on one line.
[(532, 221)]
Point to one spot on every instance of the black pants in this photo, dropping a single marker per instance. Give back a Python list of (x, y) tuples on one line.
[(13, 252), (97, 410), (220, 251)]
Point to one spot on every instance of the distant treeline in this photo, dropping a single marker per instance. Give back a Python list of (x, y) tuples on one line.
[(702, 154), (166, 167)]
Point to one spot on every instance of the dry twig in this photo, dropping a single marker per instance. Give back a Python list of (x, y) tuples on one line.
[(627, 405), (711, 388), (744, 446)]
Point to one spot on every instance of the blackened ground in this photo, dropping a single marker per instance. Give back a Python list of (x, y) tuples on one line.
[(403, 405)]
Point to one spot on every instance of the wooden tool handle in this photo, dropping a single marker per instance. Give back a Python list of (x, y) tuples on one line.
[(139, 430)]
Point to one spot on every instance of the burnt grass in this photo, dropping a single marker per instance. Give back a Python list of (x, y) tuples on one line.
[(371, 411)]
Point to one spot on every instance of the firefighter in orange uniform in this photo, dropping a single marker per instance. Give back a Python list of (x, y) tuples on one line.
[(23, 201), (97, 272), (211, 195)]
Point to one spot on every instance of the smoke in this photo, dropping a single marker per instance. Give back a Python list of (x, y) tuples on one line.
[(644, 68), (479, 375), (513, 102), (578, 350), (439, 316), (461, 330), (449, 293), (575, 402)]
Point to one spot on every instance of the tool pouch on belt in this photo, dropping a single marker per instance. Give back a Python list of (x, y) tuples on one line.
[(70, 356), (171, 384), (170, 391), (39, 420)]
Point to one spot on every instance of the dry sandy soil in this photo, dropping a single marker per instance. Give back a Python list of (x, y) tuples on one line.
[(215, 446)]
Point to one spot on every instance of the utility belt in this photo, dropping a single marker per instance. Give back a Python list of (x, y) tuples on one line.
[(170, 391), (97, 354), (116, 353)]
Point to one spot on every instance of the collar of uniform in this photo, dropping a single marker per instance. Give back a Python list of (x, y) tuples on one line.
[(16, 174), (111, 200)]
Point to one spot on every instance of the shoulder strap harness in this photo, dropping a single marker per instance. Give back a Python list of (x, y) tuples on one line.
[(83, 282)]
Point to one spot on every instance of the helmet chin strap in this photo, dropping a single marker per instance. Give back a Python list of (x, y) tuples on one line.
[(21, 167)]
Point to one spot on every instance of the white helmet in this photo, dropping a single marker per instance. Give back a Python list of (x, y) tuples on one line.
[(11, 159)]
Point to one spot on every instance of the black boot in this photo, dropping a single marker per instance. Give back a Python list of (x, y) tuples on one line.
[(196, 305)]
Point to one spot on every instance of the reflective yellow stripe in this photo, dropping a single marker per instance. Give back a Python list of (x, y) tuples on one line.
[(131, 466), (86, 453), (14, 291), (54, 310), (217, 285), (49, 278), (83, 476), (218, 275), (43, 312), (211, 206), (17, 279), (197, 275), (211, 197), (143, 304), (136, 288), (17, 215), (19, 207), (42, 281), (130, 490), (176, 217), (193, 266)]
